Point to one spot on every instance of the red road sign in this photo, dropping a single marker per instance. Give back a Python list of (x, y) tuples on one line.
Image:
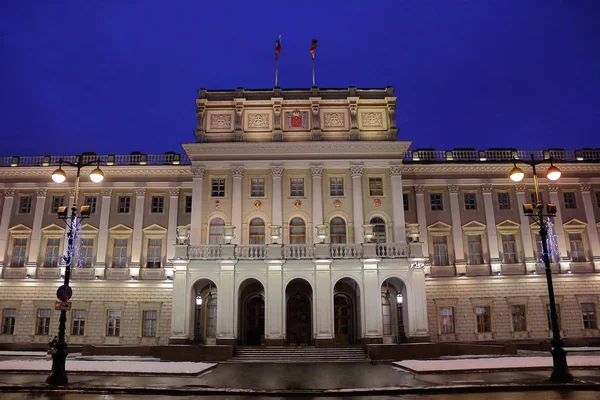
[(64, 293)]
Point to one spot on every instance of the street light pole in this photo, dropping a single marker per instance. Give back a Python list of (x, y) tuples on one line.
[(58, 374), (560, 369)]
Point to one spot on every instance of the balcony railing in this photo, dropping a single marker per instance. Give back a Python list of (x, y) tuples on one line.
[(135, 158), (499, 155)]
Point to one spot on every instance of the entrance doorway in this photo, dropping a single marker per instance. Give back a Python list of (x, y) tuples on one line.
[(299, 313), (343, 322), (255, 321)]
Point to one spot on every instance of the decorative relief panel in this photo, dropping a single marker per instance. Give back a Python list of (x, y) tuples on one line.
[(220, 121), (296, 120), (335, 120), (258, 121), (372, 120)]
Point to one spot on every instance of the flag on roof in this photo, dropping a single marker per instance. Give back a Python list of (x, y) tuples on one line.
[(313, 48), (277, 47)]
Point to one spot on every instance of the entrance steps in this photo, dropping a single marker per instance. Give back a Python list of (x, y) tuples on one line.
[(299, 354)]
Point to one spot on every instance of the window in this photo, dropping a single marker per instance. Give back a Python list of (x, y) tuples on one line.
[(86, 252), (532, 197), (474, 248), (519, 318), (378, 230), (588, 311), (154, 253), (296, 187), (120, 253), (25, 205), (43, 322), (376, 186), (297, 231), (188, 204), (440, 250), (446, 320), (337, 230), (569, 198), (91, 201), (8, 321), (405, 201), (509, 249), (216, 231), (503, 201), (577, 252), (436, 202), (548, 317), (158, 204), (257, 187), (598, 199), (57, 202), (211, 317), (470, 201), (386, 313), (124, 204), (218, 187), (149, 324), (538, 247), (113, 325), (19, 252), (484, 319), (78, 323), (336, 186), (257, 231), (52, 257)]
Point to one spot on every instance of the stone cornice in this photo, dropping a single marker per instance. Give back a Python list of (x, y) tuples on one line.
[(483, 168), (120, 171)]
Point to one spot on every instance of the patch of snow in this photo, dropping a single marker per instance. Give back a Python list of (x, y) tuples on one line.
[(22, 353)]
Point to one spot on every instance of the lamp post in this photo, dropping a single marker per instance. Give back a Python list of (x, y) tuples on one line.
[(560, 369), (401, 332), (198, 327), (58, 374)]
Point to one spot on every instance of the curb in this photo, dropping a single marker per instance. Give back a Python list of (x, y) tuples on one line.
[(107, 373)]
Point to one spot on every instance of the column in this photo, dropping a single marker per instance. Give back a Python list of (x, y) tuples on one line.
[(172, 224), (317, 197), (237, 173), (422, 218), (526, 234), (459, 251), (417, 304), (181, 302), (36, 232), (226, 303), (9, 196), (356, 172), (372, 299), (592, 231), (323, 311), (196, 217), (102, 247), (277, 174), (275, 302), (492, 232), (558, 227), (138, 223), (398, 204)]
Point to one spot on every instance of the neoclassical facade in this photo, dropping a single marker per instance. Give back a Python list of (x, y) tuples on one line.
[(297, 218)]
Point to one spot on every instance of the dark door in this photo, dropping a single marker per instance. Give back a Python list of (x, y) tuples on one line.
[(255, 321), (298, 320), (342, 319)]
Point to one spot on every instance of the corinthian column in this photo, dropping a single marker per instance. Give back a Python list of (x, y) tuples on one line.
[(356, 172), (317, 195), (36, 232), (277, 174), (237, 173), (398, 204), (197, 191)]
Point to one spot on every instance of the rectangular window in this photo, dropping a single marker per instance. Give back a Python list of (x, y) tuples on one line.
[(43, 322), (336, 186), (538, 247), (113, 325), (549, 319), (149, 324), (52, 256), (91, 201), (503, 201), (124, 204), (436, 202), (25, 205), (569, 198), (8, 321), (475, 250), (405, 201), (188, 204), (588, 311), (440, 250), (57, 202), (509, 249), (154, 253), (447, 320), (158, 204), (78, 323), (519, 318), (211, 317), (296, 187), (19, 252), (577, 252), (86, 252), (484, 319), (257, 187), (376, 186), (120, 253), (470, 201), (218, 187), (598, 199), (532, 197)]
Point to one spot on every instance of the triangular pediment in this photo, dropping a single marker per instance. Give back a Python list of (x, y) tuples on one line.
[(473, 225), (574, 223), (439, 226), (154, 228), (20, 228), (120, 228), (53, 228), (508, 224), (89, 228)]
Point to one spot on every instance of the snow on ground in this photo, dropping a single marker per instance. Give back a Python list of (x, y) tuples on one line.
[(497, 363)]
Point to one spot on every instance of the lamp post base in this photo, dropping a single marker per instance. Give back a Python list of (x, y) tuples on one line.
[(58, 375), (560, 369)]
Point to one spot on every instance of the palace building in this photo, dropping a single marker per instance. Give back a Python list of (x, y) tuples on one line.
[(297, 218)]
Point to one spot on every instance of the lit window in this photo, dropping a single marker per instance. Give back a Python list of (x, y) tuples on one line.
[(211, 317), (569, 198), (503, 201), (113, 324), (43, 322), (577, 252), (376, 186), (52, 256), (188, 204), (257, 187), (8, 321), (296, 187), (216, 231), (337, 230), (57, 202), (120, 253), (519, 318), (158, 204), (91, 201), (386, 312), (484, 319), (475, 250), (440, 250), (378, 230), (257, 231), (25, 205), (336, 186), (588, 311), (436, 202), (218, 187), (548, 316), (470, 201), (509, 249), (297, 231), (154, 253), (149, 324), (86, 252), (124, 204), (447, 320), (405, 201), (78, 323), (19, 252)]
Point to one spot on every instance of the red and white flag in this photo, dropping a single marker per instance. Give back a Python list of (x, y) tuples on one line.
[(313, 48), (277, 47)]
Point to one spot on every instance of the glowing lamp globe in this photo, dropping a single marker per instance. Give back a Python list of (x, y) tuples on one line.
[(97, 175), (553, 173), (517, 174), (59, 175)]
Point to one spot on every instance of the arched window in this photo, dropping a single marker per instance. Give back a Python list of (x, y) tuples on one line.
[(337, 230), (297, 231), (257, 231), (211, 316), (378, 230), (216, 231), (386, 312)]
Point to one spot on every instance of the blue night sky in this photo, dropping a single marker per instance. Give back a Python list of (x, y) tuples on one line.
[(121, 76)]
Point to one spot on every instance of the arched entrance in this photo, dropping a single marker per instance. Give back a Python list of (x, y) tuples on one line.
[(299, 313), (346, 297), (394, 315), (205, 312), (252, 313)]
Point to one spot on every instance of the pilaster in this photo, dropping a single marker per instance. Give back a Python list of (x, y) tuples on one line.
[(196, 218), (372, 299), (138, 223), (398, 204), (317, 196), (277, 175), (237, 172), (459, 251), (103, 228), (323, 309), (181, 303), (417, 304), (592, 231), (277, 132), (274, 326), (172, 223), (558, 227), (226, 303), (9, 196), (490, 221), (356, 171), (526, 236), (35, 244), (422, 217), (316, 123)]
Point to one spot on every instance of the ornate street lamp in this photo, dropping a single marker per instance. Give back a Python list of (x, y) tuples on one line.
[(401, 333), (198, 327), (58, 375), (560, 369)]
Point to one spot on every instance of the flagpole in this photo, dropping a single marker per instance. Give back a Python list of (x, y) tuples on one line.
[(276, 71), (313, 71)]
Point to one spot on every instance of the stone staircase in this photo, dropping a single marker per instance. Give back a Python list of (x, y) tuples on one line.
[(299, 354)]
